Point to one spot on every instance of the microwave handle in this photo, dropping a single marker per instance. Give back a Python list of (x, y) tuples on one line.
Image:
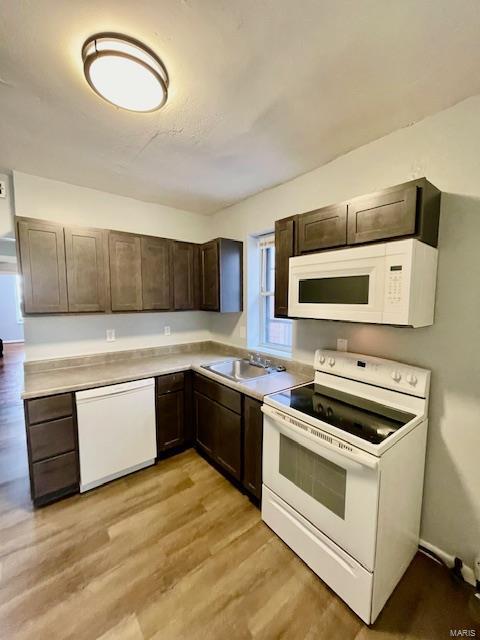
[(358, 457)]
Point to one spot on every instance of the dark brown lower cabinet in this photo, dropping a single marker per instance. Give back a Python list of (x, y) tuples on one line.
[(170, 431), (218, 422), (190, 408), (204, 424), (228, 440), (52, 444), (170, 411), (252, 446)]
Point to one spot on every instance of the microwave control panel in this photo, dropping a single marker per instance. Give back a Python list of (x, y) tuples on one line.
[(394, 284)]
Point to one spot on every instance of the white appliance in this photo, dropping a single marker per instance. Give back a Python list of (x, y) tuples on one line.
[(387, 283), (116, 431), (343, 466)]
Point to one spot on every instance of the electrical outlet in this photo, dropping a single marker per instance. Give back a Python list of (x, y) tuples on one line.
[(111, 335), (3, 189), (166, 331), (342, 344)]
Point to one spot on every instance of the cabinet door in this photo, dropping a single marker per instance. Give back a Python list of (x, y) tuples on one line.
[(170, 420), (322, 229), (228, 444), (156, 274), (383, 215), (284, 249), (42, 257), (204, 422), (184, 275), (252, 447), (125, 272), (85, 256), (210, 277)]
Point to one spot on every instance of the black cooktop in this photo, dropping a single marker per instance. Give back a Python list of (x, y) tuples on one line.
[(363, 418)]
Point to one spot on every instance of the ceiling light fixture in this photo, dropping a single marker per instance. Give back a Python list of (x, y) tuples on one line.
[(125, 72)]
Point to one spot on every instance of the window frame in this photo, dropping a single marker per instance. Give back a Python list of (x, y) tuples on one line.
[(266, 242)]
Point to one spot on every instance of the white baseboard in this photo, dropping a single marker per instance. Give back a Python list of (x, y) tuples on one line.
[(12, 341), (449, 560)]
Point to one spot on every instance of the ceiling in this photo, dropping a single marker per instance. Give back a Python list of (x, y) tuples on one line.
[(261, 90)]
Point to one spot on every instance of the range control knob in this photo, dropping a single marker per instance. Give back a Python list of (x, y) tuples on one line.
[(412, 379), (396, 375), (321, 358), (331, 361)]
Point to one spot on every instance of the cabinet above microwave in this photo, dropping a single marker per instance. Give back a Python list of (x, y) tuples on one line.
[(408, 210)]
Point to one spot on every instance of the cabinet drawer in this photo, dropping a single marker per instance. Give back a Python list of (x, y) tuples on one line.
[(48, 439), (169, 383), (49, 408), (383, 215), (322, 229), (220, 393), (55, 474)]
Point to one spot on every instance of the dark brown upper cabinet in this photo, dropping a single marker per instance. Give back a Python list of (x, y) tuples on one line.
[(184, 275), (85, 252), (410, 209), (221, 276), (125, 271), (41, 248), (284, 250), (322, 229), (209, 276), (157, 286)]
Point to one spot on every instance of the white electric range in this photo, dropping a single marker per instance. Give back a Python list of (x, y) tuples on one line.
[(343, 467)]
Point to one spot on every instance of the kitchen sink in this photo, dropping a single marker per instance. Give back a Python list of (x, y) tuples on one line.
[(238, 369)]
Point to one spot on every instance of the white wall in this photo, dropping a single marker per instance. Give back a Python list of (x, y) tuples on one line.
[(59, 336), (10, 328), (445, 148)]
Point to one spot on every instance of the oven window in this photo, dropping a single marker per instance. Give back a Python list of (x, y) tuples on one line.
[(338, 290), (320, 478)]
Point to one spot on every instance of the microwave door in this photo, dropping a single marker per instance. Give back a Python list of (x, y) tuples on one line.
[(351, 290)]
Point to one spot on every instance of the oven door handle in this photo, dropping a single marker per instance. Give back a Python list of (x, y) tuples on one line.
[(357, 456)]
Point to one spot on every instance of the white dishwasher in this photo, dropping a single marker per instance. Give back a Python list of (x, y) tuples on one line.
[(116, 431)]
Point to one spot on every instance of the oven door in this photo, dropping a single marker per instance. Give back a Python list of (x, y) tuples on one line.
[(347, 284), (335, 489)]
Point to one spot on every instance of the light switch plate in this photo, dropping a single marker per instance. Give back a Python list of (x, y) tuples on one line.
[(111, 335), (166, 331), (3, 189)]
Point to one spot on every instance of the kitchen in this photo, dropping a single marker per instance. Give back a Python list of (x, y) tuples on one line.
[(441, 147)]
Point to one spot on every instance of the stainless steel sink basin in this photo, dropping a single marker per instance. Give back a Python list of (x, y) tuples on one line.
[(237, 369)]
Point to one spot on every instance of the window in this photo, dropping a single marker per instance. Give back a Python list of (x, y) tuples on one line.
[(18, 299), (275, 333)]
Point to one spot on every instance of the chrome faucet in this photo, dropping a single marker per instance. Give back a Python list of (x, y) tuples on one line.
[(256, 360)]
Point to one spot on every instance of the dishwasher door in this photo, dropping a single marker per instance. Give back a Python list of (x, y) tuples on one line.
[(116, 431)]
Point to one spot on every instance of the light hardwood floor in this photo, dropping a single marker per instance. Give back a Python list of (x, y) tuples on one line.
[(176, 552)]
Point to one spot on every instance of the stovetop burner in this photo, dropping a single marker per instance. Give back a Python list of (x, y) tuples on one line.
[(363, 418)]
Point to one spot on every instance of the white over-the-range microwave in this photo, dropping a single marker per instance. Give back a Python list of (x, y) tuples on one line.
[(387, 283)]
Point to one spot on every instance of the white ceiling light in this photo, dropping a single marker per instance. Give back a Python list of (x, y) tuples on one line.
[(125, 72)]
